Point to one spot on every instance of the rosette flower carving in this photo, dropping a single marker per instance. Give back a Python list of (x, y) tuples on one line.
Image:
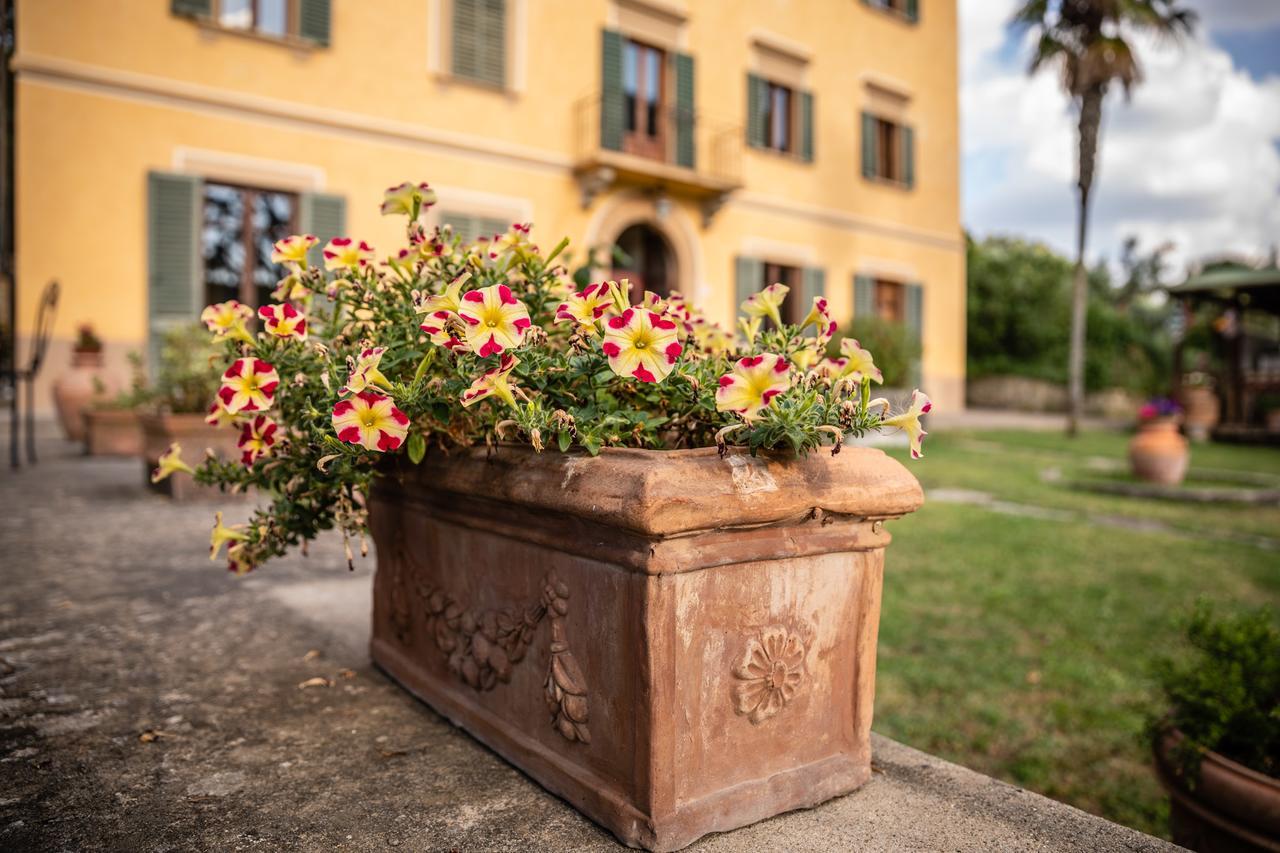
[(771, 673)]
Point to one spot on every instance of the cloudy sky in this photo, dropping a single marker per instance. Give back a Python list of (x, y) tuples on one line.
[(1193, 158)]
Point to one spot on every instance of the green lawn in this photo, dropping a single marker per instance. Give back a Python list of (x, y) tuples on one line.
[(1022, 647)]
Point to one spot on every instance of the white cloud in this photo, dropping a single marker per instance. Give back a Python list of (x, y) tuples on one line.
[(1192, 158)]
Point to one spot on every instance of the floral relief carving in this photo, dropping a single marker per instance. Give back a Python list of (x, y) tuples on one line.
[(770, 673)]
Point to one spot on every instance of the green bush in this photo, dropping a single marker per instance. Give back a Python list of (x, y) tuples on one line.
[(897, 348), (1223, 694), (185, 381)]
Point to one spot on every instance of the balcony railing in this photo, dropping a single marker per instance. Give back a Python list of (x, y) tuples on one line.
[(685, 154)]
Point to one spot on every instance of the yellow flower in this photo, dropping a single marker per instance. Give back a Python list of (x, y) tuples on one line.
[(407, 199), (642, 344), (586, 308), (860, 364), (710, 337), (238, 561), (909, 421), (752, 384), (284, 321), (496, 321), (767, 303), (370, 420), (222, 535), (249, 385), (293, 250), (363, 372), (170, 462), (820, 317), (343, 253), (495, 382), (227, 319), (805, 357)]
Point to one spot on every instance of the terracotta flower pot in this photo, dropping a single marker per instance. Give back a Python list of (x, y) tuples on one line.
[(1158, 453), (1228, 807), (190, 430), (112, 432), (673, 642), (74, 389), (1201, 410)]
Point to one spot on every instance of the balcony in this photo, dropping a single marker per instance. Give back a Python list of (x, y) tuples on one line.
[(679, 153)]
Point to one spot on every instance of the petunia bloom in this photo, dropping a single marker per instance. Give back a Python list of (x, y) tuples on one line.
[(642, 344), (752, 384), (291, 288), (494, 383), (222, 535), (767, 303), (284, 321), (820, 318), (806, 357), (860, 364), (909, 421), (496, 321), (257, 437), (344, 253), (170, 462), (364, 372), (711, 338), (227, 319), (407, 199), (370, 420), (219, 416), (586, 307), (238, 561), (249, 385), (293, 250)]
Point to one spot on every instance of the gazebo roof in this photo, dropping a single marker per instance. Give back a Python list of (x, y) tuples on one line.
[(1229, 277)]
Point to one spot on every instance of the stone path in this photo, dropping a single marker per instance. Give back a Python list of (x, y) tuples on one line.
[(150, 702)]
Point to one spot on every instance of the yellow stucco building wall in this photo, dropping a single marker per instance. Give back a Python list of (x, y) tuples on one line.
[(109, 91)]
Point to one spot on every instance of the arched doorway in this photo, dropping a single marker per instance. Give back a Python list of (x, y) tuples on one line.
[(647, 258)]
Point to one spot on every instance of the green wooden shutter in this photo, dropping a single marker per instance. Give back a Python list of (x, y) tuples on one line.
[(907, 140), (612, 99), (313, 20), (913, 299), (192, 8), (864, 296), (174, 264), (479, 41), (868, 145), (489, 225), (913, 11), (757, 97), (747, 280), (683, 64), (806, 127)]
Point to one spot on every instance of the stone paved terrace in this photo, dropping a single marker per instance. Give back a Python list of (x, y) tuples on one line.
[(149, 701)]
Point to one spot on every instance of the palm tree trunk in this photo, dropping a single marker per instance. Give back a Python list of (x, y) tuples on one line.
[(1090, 121)]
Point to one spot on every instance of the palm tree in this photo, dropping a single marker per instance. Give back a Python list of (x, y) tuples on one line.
[(1087, 40)]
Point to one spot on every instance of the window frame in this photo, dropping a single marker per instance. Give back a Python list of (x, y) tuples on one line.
[(636, 141), (255, 14), (246, 289), (890, 162), (899, 9)]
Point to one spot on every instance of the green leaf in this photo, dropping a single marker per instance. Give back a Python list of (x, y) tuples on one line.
[(417, 448), (564, 440)]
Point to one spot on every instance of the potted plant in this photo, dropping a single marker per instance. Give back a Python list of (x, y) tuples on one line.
[(74, 389), (614, 543), (1158, 453), (1217, 748), (179, 409), (1201, 404), (111, 423)]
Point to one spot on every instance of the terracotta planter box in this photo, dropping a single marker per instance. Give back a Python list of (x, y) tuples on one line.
[(112, 432), (673, 642), (1229, 808), (190, 430)]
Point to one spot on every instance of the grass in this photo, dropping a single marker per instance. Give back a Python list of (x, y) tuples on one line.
[(1023, 647)]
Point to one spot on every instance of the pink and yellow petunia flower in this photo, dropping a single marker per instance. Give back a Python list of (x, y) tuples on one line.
[(170, 463), (752, 384), (806, 357), (495, 382), (767, 303), (227, 319), (293, 250), (909, 421), (819, 317), (586, 307), (218, 416), (859, 365), (224, 535), (364, 373), (495, 320), (249, 385), (238, 561), (291, 288), (641, 344), (257, 437), (407, 199), (284, 321), (344, 253), (370, 420)]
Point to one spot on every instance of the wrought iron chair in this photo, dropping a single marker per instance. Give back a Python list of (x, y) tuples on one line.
[(27, 376)]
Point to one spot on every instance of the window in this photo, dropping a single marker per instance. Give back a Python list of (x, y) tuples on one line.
[(890, 301), (267, 17), (480, 41), (644, 105), (471, 227), (908, 9), (887, 150), (778, 118), (794, 308), (239, 226)]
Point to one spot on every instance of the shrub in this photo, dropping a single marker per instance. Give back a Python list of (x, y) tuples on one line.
[(186, 377), (897, 348)]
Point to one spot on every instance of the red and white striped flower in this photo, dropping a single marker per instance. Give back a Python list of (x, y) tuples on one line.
[(859, 364), (909, 421), (249, 385), (495, 382), (407, 199), (641, 344), (495, 320), (363, 372), (219, 416), (344, 253), (820, 318), (227, 319), (586, 307), (293, 250), (767, 303), (752, 384), (284, 321), (370, 420), (257, 437)]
